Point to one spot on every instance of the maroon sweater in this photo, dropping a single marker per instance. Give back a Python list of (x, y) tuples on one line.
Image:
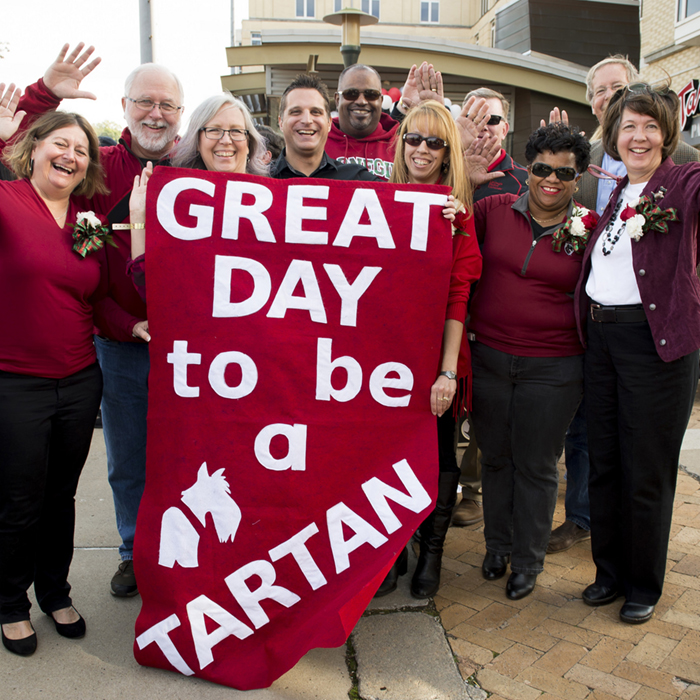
[(46, 288), (523, 304)]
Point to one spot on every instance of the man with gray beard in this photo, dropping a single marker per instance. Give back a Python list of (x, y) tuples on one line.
[(153, 106)]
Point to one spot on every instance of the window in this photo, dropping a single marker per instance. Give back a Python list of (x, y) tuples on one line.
[(337, 5), (371, 7), (305, 8), (686, 8), (255, 39), (493, 34), (484, 6), (430, 11)]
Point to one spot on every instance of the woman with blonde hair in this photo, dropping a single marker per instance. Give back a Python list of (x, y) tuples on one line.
[(429, 152)]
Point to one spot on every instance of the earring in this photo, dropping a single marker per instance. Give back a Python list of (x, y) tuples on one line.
[(527, 181), (31, 166), (576, 188), (445, 165)]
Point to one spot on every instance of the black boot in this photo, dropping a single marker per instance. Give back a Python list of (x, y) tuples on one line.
[(426, 579), (392, 578)]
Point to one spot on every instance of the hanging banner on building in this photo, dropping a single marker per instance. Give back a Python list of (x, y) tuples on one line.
[(296, 332)]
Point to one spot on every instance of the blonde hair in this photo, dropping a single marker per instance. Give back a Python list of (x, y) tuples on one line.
[(437, 121)]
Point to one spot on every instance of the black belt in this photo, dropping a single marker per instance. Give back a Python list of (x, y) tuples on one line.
[(618, 314)]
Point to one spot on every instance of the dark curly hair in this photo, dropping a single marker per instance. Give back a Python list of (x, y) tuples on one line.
[(557, 137)]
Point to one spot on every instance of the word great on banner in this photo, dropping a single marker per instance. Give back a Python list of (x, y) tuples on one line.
[(291, 449)]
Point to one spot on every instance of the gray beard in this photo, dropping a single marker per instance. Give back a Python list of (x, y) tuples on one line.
[(152, 143)]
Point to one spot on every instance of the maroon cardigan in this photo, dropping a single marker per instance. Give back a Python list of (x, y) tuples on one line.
[(665, 264)]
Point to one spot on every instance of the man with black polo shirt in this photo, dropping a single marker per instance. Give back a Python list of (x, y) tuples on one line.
[(305, 121)]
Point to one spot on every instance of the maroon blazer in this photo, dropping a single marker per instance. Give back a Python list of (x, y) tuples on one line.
[(665, 264)]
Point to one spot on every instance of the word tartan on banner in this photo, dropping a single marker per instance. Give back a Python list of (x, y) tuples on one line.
[(291, 449)]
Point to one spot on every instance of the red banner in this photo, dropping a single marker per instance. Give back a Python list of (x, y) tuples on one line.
[(296, 332)]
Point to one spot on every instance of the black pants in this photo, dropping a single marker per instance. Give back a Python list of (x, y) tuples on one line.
[(45, 431), (522, 408), (637, 409)]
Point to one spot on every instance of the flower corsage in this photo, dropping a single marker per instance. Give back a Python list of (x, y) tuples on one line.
[(644, 215), (575, 231), (90, 234)]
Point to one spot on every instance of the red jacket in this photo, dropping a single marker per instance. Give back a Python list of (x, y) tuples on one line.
[(523, 304), (376, 152), (116, 315)]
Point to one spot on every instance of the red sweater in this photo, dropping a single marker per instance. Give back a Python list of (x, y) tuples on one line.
[(46, 288), (376, 152), (117, 314), (523, 304)]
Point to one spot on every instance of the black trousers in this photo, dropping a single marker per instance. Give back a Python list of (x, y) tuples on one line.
[(45, 431), (637, 409)]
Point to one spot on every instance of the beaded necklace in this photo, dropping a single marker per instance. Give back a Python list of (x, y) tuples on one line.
[(608, 238)]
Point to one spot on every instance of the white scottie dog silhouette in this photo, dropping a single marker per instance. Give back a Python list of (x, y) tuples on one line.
[(179, 540)]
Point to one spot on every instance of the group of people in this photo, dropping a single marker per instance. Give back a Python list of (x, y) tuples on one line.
[(566, 304)]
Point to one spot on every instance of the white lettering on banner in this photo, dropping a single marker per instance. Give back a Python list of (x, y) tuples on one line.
[(325, 366), (364, 201), (224, 265), (338, 516), (249, 600), (295, 459), (204, 215), (217, 371), (297, 213), (299, 271), (235, 210), (204, 641), (180, 359), (422, 201), (296, 546), (158, 633)]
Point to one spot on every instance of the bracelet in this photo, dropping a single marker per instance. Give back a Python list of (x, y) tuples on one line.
[(449, 374), (120, 227)]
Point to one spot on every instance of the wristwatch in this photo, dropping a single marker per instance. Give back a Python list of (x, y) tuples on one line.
[(449, 374)]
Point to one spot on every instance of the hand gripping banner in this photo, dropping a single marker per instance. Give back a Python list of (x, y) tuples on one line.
[(296, 332)]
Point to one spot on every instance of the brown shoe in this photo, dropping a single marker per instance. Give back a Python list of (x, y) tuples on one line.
[(467, 513), (566, 536)]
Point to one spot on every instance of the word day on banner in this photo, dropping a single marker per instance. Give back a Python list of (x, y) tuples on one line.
[(296, 332)]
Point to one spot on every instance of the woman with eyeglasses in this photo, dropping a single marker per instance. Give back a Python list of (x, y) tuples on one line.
[(220, 137), (638, 308), (429, 152), (527, 360)]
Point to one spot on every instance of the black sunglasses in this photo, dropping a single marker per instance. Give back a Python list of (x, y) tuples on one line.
[(495, 120), (543, 170), (432, 142), (351, 94)]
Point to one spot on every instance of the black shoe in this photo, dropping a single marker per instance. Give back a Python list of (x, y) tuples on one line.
[(21, 647), (596, 595), (494, 566), (391, 581), (123, 583), (520, 585), (636, 613), (71, 630)]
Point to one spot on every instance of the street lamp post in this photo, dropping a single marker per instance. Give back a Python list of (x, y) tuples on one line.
[(350, 20)]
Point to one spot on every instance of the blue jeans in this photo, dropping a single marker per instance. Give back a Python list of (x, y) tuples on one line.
[(577, 468), (522, 407), (125, 369)]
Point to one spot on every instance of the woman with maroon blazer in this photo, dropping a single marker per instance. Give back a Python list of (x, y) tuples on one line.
[(638, 308), (50, 383)]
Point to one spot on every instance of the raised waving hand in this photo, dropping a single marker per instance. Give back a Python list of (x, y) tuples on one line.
[(64, 75), (10, 118)]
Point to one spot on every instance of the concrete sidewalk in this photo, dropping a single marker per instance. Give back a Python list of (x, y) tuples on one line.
[(548, 645)]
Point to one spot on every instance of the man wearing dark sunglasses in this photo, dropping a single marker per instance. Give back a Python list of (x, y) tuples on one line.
[(362, 133)]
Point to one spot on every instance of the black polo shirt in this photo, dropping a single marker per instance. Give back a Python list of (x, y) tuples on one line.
[(329, 169)]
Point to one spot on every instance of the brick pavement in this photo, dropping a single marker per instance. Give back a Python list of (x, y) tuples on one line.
[(550, 645)]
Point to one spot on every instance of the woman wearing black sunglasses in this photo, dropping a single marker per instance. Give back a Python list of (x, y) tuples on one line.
[(638, 302), (526, 356), (429, 151)]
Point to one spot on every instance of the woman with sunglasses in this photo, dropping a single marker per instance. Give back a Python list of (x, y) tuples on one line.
[(428, 152), (638, 306), (221, 137), (526, 356)]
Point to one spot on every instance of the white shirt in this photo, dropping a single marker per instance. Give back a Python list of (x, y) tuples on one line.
[(612, 281)]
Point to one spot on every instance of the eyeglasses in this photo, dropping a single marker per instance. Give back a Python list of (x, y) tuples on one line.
[(351, 94), (645, 88), (432, 142), (495, 120), (216, 134), (148, 105), (543, 170)]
